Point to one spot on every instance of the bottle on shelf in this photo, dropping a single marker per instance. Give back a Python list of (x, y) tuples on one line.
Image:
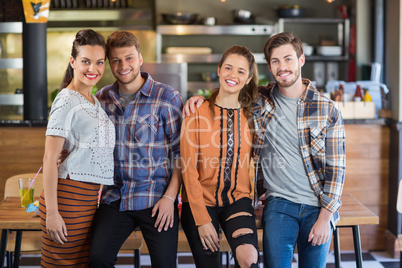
[(338, 95), (358, 93), (367, 96)]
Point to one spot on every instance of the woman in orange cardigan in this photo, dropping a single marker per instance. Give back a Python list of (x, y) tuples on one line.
[(215, 151)]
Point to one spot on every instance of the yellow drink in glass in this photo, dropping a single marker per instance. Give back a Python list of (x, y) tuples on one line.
[(27, 196)]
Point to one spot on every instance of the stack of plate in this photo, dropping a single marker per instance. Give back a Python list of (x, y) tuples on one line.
[(188, 50), (329, 50)]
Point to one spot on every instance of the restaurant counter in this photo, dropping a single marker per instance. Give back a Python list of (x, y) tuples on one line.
[(41, 123), (367, 167), (23, 123), (374, 121)]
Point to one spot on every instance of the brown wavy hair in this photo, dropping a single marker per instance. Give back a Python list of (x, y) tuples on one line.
[(122, 39), (249, 91), (86, 37), (279, 40)]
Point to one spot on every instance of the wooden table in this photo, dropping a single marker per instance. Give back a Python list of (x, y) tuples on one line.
[(15, 218), (352, 214)]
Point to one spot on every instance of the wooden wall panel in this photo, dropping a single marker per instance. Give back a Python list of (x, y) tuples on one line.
[(367, 172), (21, 151)]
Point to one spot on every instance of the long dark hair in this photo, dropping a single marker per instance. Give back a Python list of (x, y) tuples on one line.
[(82, 38), (249, 91)]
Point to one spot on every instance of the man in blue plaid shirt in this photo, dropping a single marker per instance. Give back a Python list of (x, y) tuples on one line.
[(147, 116)]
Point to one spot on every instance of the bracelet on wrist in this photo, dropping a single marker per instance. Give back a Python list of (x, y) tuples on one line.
[(169, 197)]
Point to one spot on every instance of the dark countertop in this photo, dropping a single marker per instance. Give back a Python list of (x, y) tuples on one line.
[(23, 123), (374, 121), (41, 123)]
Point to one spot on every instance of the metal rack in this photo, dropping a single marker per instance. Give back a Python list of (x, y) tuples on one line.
[(166, 33), (343, 27), (11, 63), (246, 30), (217, 31)]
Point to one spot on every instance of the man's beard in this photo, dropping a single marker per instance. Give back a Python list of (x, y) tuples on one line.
[(290, 83), (133, 77)]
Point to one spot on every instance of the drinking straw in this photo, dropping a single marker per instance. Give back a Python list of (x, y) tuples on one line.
[(35, 177), (30, 186)]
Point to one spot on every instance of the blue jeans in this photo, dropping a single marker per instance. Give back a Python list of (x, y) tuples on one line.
[(287, 224)]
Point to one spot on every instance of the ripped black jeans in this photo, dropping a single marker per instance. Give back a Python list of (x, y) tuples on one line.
[(229, 222)]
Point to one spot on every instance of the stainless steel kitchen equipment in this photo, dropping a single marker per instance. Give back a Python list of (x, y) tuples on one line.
[(180, 18), (209, 21), (172, 74), (11, 105), (243, 16), (289, 12)]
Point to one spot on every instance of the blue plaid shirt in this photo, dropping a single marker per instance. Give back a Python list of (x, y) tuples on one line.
[(147, 142)]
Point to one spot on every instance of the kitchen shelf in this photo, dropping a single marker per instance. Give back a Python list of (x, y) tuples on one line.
[(11, 27), (216, 30), (310, 20), (215, 58), (203, 58), (343, 27), (313, 31), (12, 99), (326, 58), (181, 30), (101, 19), (209, 36), (8, 100), (11, 63)]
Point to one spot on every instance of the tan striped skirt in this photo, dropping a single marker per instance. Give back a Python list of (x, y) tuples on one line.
[(77, 202)]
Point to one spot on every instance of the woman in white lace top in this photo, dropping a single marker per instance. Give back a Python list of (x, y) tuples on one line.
[(78, 124)]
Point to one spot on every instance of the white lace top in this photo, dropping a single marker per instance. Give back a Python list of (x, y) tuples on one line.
[(89, 134)]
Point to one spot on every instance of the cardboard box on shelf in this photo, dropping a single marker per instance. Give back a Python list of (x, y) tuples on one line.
[(347, 109), (364, 110), (357, 109)]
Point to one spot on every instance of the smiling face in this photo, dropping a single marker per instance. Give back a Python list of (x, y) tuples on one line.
[(233, 74), (125, 64), (285, 66), (89, 65)]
